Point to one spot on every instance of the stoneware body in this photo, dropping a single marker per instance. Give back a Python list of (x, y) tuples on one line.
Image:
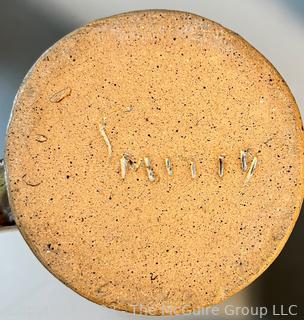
[(155, 160)]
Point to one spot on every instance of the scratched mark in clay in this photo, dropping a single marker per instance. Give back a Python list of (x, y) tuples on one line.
[(60, 95), (41, 138), (221, 166), (193, 170), (128, 161), (169, 167), (103, 133), (151, 175), (30, 183), (244, 160), (252, 169)]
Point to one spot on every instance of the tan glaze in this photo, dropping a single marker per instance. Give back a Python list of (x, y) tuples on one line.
[(165, 84)]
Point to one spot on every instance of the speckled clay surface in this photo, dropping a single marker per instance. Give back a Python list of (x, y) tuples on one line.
[(169, 85)]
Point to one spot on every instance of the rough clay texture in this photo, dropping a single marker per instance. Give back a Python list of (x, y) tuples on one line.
[(170, 85)]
